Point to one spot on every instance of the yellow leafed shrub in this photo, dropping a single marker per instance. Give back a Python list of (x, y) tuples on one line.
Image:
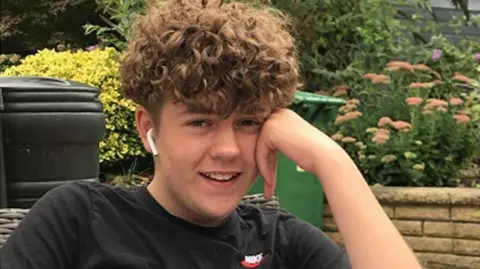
[(97, 68)]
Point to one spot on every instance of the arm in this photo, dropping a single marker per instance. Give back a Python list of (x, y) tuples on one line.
[(47, 237), (371, 239)]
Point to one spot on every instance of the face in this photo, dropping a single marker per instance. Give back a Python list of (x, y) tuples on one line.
[(205, 164)]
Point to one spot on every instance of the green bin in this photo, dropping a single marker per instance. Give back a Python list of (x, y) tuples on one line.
[(300, 192)]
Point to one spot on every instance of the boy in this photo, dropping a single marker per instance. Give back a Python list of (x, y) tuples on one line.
[(212, 85)]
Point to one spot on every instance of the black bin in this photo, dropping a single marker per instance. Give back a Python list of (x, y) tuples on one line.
[(51, 131)]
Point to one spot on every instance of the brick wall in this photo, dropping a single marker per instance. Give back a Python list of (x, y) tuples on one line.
[(442, 225)]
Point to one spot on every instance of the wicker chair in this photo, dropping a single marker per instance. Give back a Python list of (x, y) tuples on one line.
[(11, 217)]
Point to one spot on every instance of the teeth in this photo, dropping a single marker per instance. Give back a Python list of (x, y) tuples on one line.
[(220, 176)]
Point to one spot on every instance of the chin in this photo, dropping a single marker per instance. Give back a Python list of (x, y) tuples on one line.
[(219, 211)]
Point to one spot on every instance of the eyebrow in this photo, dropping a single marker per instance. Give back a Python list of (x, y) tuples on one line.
[(208, 111), (197, 110)]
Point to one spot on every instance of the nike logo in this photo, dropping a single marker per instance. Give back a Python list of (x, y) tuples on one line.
[(252, 261)]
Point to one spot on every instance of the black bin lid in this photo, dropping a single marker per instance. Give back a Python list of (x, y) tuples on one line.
[(26, 83), (46, 94)]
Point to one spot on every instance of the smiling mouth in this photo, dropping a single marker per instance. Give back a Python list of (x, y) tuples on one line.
[(220, 177)]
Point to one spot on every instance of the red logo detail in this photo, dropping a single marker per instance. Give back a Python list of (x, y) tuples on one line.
[(252, 261)]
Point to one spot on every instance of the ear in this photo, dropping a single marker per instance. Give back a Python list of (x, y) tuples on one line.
[(146, 129)]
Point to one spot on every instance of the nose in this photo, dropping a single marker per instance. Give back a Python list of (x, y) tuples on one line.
[(225, 144)]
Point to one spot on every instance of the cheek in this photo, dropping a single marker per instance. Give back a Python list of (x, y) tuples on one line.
[(248, 144), (186, 152)]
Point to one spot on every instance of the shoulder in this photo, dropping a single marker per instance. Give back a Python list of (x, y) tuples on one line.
[(79, 190), (65, 195), (301, 244), (72, 197)]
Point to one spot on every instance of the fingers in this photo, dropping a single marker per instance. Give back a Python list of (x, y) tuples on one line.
[(267, 165)]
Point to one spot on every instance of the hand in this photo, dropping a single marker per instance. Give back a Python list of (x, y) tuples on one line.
[(300, 141)]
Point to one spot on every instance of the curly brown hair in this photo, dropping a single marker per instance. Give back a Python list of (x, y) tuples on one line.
[(219, 57)]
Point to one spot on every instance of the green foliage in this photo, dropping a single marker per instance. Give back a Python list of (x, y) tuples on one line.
[(29, 25), (119, 17), (7, 60), (338, 41), (400, 133), (98, 68)]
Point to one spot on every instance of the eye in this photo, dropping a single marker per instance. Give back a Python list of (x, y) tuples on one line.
[(249, 123), (199, 123)]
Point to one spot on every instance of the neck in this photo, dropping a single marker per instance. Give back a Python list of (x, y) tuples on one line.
[(160, 193)]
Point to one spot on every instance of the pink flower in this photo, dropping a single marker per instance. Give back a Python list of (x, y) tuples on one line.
[(381, 79), (353, 101), (381, 136), (340, 93), (456, 101), (340, 119), (461, 118), (340, 88), (349, 116), (353, 114), (437, 53), (462, 78), (396, 65), (384, 121), (347, 108), (90, 48), (349, 139), (442, 109), (413, 101), (401, 125), (435, 103), (421, 67), (420, 85), (337, 137), (369, 76)]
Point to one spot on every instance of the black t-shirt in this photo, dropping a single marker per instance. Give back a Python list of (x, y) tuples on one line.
[(93, 225)]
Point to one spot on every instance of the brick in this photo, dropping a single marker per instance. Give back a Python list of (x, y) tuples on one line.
[(465, 196), (466, 230), (438, 229), (422, 212), (329, 225), (408, 227), (337, 237), (471, 214), (430, 244), (452, 230), (327, 212), (466, 247), (389, 210), (448, 261), (406, 195)]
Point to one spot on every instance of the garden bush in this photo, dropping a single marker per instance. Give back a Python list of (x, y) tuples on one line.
[(29, 25), (98, 68), (8, 60), (408, 126), (340, 41)]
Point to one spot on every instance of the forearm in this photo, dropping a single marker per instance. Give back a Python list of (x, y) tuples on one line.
[(371, 239)]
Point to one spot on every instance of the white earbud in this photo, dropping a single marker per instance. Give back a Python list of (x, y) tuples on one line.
[(151, 143)]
